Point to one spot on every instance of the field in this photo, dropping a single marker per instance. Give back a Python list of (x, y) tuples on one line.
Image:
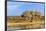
[(28, 20), (24, 24)]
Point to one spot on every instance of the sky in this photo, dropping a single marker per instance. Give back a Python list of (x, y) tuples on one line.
[(17, 8)]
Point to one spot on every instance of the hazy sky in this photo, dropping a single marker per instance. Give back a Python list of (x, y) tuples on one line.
[(16, 8)]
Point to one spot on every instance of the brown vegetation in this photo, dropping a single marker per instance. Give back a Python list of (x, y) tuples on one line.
[(28, 19)]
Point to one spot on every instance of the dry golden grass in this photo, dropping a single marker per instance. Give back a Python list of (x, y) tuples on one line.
[(26, 21), (21, 22)]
